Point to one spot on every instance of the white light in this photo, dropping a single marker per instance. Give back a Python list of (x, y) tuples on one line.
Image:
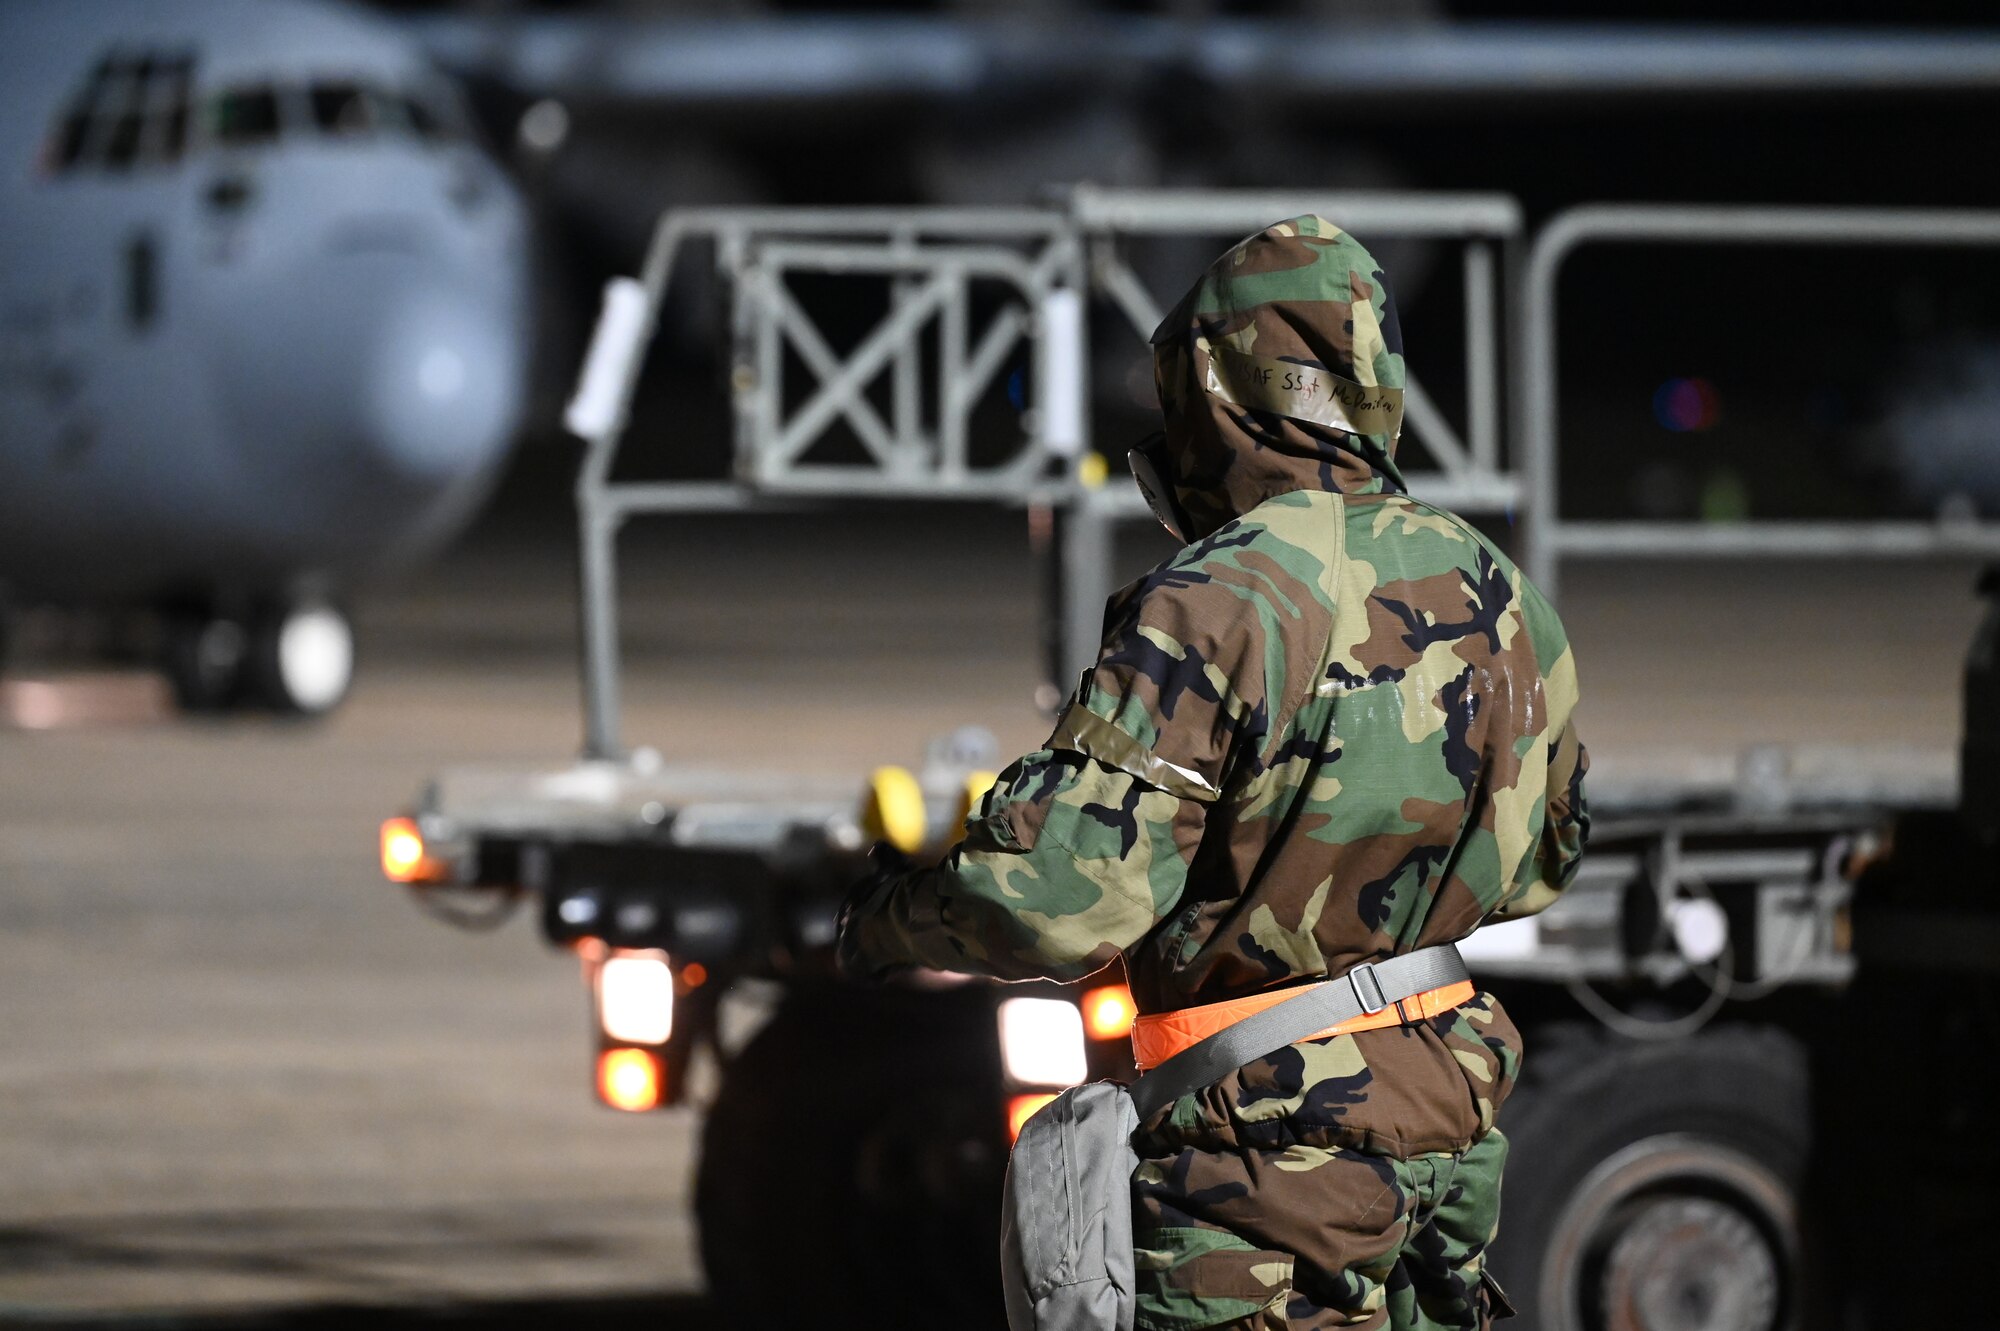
[(1701, 929), (1041, 1041), (635, 997), (315, 657)]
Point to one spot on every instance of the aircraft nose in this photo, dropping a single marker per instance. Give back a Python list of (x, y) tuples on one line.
[(443, 387)]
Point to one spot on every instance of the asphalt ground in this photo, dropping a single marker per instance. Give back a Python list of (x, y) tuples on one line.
[(244, 1082)]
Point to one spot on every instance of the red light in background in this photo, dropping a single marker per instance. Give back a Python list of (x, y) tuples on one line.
[(1022, 1108), (1684, 405)]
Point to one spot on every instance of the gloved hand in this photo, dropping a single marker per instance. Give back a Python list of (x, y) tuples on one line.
[(886, 863)]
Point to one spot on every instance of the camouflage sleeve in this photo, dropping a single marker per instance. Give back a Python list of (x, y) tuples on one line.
[(1067, 862), (1200, 666), (1083, 846), (1564, 832)]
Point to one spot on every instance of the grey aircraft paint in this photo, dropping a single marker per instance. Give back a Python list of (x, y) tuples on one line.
[(263, 302)]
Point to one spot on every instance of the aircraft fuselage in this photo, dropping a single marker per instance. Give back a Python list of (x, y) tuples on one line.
[(273, 332)]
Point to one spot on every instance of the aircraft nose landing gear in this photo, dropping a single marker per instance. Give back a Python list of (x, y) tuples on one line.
[(294, 657)]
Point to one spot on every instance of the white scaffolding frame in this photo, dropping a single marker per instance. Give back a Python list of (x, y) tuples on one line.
[(1048, 262)]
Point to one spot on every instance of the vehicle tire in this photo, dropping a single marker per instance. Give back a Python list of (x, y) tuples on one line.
[(852, 1162), (301, 658), (1655, 1186), (205, 659)]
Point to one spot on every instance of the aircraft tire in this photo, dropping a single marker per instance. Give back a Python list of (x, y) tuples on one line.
[(301, 660), (1656, 1185), (205, 661), (851, 1165)]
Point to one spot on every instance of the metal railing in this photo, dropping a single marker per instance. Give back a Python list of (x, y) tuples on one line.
[(1038, 268), (1550, 536), (758, 251), (1045, 264)]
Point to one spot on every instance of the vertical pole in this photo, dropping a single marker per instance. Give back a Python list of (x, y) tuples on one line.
[(769, 405), (1542, 522), (621, 344), (952, 405), (1085, 531), (906, 393), (598, 539), (1045, 538), (746, 386), (1083, 534), (1482, 370)]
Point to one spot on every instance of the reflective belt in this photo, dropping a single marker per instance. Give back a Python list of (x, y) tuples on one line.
[(1158, 1037)]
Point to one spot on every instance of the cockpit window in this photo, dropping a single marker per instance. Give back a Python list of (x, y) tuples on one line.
[(167, 120), (345, 109), (66, 148), (121, 145), (244, 116), (135, 109), (132, 110), (341, 108)]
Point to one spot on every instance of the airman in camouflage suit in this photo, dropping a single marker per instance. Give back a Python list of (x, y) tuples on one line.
[(1332, 729)]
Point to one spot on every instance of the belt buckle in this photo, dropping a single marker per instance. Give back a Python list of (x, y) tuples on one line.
[(1366, 971)]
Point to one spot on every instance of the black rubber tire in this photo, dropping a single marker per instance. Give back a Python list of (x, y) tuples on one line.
[(852, 1161), (205, 662), (1586, 1096)]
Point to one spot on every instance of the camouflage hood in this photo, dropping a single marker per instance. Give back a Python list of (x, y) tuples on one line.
[(1281, 370)]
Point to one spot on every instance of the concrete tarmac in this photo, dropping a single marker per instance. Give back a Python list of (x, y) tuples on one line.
[(241, 1076)]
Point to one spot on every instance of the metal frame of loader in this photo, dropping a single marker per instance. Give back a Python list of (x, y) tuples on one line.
[(1737, 881), (1054, 261)]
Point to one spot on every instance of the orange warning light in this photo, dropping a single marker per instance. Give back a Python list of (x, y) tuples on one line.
[(1022, 1108), (628, 1079), (1108, 1012), (404, 857), (694, 975)]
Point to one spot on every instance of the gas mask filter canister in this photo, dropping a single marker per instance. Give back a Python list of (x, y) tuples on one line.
[(1147, 460)]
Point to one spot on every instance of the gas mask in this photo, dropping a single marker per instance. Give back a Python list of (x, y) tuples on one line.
[(1150, 469)]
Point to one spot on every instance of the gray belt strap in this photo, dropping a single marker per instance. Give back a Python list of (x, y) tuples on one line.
[(1366, 989)]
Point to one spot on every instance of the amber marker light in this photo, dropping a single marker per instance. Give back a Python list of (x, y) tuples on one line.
[(628, 1079), (404, 858), (1108, 1012), (1022, 1108)]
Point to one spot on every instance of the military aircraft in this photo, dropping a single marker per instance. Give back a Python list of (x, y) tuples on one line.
[(263, 325)]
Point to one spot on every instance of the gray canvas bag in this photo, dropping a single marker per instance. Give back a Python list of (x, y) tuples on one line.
[(1066, 1220)]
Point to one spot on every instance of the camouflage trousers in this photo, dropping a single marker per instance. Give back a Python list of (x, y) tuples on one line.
[(1313, 1237)]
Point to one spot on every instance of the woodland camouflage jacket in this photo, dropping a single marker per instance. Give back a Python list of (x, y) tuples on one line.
[(1335, 727)]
